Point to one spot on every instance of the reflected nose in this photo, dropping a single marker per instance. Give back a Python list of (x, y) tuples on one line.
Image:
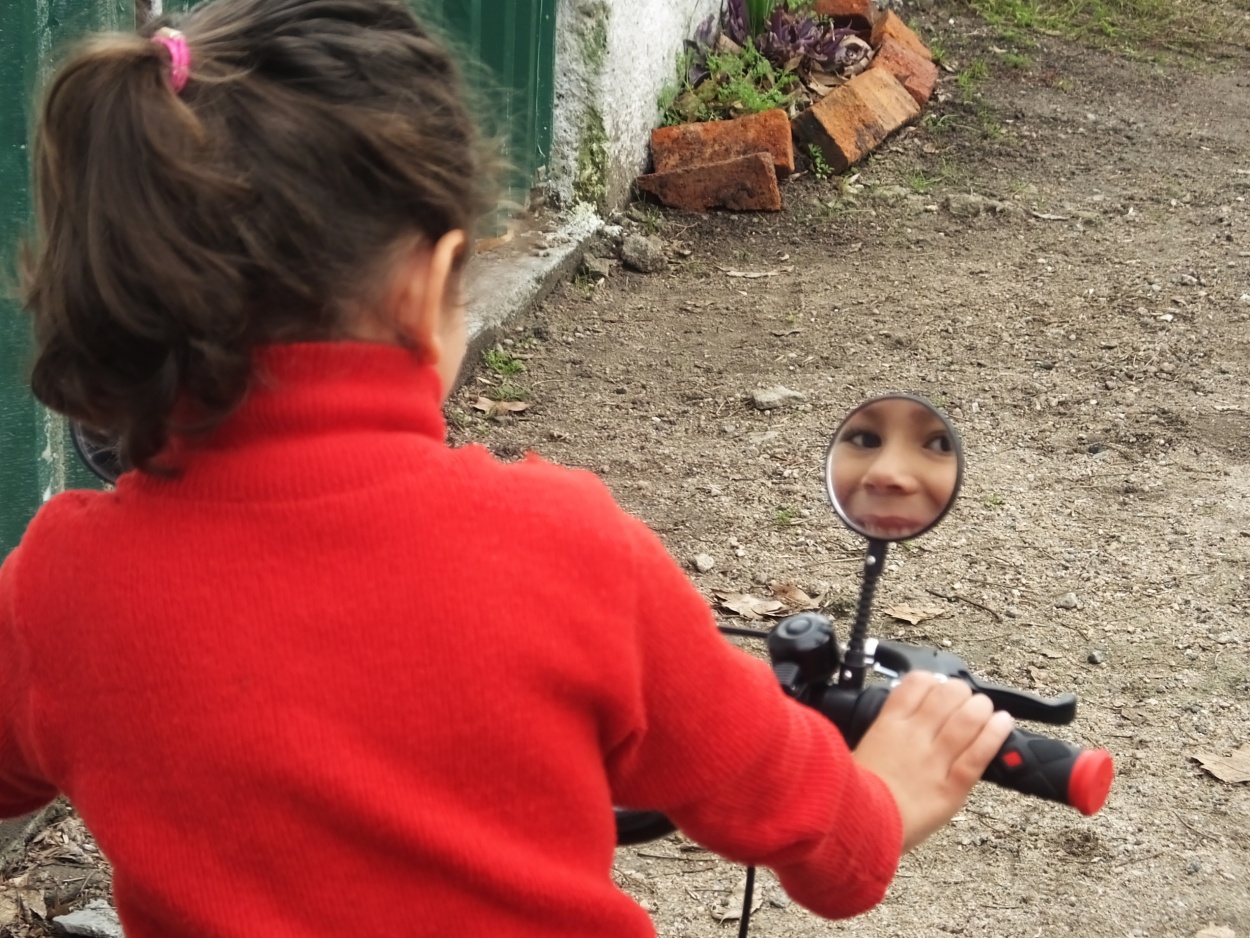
[(889, 473)]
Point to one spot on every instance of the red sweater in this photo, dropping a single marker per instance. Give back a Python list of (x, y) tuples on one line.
[(337, 675)]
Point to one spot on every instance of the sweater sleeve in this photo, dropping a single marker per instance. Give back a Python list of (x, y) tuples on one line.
[(22, 790), (740, 767)]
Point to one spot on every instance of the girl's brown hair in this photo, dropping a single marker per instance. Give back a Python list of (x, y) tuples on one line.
[(175, 233)]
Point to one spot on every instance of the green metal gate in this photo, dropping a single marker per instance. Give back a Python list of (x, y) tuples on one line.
[(514, 39), (33, 444)]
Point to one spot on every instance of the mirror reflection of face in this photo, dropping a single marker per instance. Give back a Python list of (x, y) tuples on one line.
[(894, 468)]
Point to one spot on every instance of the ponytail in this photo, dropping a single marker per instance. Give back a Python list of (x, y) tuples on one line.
[(136, 282), (181, 225)]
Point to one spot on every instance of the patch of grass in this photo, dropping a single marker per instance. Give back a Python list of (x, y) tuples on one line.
[(937, 123), (1132, 27), (786, 516), (584, 284), (969, 80), (990, 128), (1016, 60), (820, 166), (502, 362), (938, 52), (993, 501), (652, 219), (921, 183)]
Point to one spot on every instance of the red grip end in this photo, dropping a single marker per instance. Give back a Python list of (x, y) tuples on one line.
[(1090, 781)]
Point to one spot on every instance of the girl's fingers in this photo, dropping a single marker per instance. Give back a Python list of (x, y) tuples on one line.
[(910, 693), (964, 724), (971, 764)]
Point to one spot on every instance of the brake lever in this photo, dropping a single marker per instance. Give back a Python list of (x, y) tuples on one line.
[(897, 658)]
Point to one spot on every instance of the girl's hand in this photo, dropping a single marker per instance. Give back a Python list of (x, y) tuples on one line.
[(930, 744)]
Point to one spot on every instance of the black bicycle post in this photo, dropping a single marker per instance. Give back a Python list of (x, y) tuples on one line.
[(855, 664)]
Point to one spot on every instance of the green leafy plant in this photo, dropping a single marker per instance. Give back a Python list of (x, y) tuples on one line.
[(737, 83), (820, 165), (507, 391), (786, 516), (766, 45), (502, 362)]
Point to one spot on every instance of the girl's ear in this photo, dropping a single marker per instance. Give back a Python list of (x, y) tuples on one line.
[(426, 302)]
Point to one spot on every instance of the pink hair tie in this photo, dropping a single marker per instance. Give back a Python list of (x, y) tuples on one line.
[(179, 56)]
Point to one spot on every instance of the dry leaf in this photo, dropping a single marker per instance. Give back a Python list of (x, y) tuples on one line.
[(733, 912), (10, 912), (493, 408), (751, 607), (755, 274), (1232, 769), (915, 614), (1216, 931), (33, 901), (490, 244), (793, 597)]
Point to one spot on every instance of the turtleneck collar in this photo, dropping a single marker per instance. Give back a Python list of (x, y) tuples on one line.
[(311, 422)]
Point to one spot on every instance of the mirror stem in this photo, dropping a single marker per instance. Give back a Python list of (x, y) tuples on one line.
[(856, 664)]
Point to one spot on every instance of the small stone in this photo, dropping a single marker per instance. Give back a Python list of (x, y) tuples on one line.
[(704, 563), (1096, 656), (1194, 866), (644, 254), (1068, 601), (890, 194), (96, 920), (596, 268), (965, 205), (1188, 280), (1012, 612), (774, 398)]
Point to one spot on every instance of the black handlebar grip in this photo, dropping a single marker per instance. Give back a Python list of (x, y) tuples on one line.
[(1052, 769)]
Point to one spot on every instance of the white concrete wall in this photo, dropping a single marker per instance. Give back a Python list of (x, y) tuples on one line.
[(613, 58)]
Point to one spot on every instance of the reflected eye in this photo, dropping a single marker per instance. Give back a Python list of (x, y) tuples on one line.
[(863, 439), (940, 443)]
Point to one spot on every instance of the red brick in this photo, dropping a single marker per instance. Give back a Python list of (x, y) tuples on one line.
[(917, 74), (851, 121), (687, 145), (856, 13), (744, 184), (889, 26)]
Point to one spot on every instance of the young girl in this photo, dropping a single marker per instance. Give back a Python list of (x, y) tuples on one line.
[(894, 468), (307, 669)]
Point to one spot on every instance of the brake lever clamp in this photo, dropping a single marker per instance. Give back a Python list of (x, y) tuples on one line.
[(897, 658)]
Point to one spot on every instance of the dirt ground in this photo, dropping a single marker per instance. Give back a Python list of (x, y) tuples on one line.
[(1087, 331)]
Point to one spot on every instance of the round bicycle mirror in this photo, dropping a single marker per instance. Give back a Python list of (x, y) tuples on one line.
[(894, 468), (98, 453)]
